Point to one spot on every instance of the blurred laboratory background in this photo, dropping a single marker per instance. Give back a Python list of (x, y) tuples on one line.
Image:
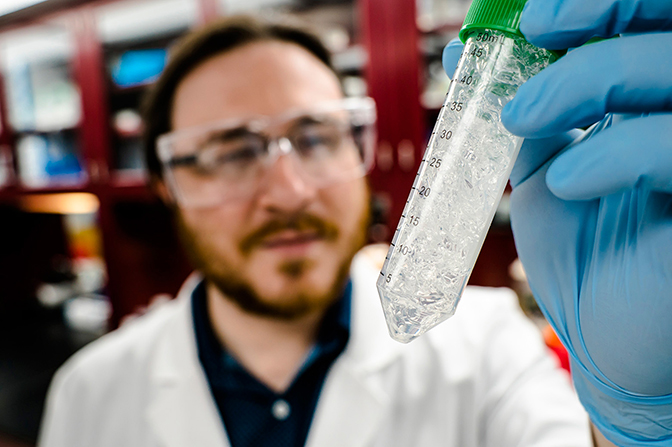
[(84, 243)]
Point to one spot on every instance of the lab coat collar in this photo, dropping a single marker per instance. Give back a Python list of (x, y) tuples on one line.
[(371, 348), (353, 379), (182, 411)]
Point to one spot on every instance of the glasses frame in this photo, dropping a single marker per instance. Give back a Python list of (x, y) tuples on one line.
[(362, 114)]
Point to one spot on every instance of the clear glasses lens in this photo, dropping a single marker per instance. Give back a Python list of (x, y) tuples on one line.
[(208, 166)]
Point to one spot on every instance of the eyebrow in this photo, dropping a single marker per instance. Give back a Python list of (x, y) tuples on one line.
[(307, 119), (221, 135), (227, 134)]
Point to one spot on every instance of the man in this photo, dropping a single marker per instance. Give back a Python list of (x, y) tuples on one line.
[(279, 338)]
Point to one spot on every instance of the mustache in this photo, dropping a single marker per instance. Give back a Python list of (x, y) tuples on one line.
[(301, 222)]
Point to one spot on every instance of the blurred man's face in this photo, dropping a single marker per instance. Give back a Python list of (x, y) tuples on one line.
[(286, 250)]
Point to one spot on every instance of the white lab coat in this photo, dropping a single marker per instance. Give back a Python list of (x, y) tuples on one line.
[(483, 378)]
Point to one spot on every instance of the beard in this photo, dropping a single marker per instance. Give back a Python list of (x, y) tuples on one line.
[(288, 308), (229, 280)]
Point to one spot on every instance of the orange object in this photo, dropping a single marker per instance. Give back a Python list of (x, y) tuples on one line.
[(554, 344)]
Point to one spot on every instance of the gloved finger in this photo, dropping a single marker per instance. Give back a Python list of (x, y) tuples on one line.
[(451, 56), (536, 152), (560, 24), (636, 152), (626, 75)]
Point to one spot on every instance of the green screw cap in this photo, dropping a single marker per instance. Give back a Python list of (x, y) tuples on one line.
[(502, 15)]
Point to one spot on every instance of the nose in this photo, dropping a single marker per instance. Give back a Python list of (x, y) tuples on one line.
[(286, 188)]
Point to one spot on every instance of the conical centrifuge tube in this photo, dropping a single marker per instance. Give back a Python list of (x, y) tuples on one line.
[(462, 175)]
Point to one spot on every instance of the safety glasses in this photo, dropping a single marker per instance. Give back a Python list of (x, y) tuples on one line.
[(329, 143)]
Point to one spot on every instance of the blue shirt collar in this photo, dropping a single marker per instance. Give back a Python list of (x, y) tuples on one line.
[(332, 338)]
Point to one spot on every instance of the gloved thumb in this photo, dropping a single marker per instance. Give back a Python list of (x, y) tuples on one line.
[(451, 56)]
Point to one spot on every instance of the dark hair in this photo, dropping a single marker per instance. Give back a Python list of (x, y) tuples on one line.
[(195, 48)]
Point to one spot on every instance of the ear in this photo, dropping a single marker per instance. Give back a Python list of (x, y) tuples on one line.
[(158, 185)]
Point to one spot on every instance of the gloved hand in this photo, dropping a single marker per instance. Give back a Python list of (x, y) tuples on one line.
[(593, 221)]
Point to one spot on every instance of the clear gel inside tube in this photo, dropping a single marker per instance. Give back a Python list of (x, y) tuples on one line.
[(459, 184)]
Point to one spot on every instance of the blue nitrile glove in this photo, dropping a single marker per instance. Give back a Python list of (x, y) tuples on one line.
[(593, 221)]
